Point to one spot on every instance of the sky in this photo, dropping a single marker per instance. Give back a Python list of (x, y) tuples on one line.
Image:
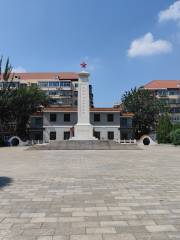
[(126, 43)]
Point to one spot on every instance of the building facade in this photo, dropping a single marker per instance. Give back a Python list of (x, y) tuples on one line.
[(168, 91), (57, 121), (56, 124), (61, 87)]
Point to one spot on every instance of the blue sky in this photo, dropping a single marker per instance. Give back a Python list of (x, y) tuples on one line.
[(126, 43)]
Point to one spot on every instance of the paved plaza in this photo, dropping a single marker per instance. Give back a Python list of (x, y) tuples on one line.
[(90, 195)]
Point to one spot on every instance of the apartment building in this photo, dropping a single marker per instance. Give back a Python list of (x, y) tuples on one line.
[(167, 91), (61, 87)]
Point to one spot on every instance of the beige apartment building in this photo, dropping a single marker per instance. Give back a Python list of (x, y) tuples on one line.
[(61, 87), (167, 91)]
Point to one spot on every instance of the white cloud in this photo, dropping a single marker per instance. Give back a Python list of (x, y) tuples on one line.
[(19, 69), (171, 13), (147, 46)]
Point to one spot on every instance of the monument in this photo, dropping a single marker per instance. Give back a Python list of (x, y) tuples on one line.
[(83, 130)]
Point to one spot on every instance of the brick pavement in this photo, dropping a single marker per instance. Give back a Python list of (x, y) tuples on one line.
[(90, 195)]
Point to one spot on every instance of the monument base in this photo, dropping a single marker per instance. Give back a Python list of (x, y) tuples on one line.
[(83, 132)]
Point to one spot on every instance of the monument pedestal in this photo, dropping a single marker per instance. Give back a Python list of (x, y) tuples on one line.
[(83, 132)]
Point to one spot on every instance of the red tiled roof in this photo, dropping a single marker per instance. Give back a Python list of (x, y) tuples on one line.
[(162, 84), (47, 75), (127, 114), (66, 109)]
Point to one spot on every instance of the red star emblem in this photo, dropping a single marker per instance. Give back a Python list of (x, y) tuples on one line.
[(83, 65)]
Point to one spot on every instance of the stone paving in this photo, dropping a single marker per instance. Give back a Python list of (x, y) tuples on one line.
[(90, 195)]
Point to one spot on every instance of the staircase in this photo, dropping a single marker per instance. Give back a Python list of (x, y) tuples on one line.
[(85, 145)]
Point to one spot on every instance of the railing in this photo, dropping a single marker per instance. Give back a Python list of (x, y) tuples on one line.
[(33, 142), (125, 141)]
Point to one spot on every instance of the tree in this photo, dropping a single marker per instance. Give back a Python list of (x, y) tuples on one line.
[(26, 101), (164, 129), (5, 92), (175, 137), (146, 108), (18, 104)]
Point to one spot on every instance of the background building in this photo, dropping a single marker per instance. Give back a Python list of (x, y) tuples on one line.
[(167, 91), (56, 123), (61, 87)]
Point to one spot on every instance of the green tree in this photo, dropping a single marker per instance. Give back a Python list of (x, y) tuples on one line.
[(17, 105), (175, 137), (164, 129), (26, 101), (6, 92), (146, 108)]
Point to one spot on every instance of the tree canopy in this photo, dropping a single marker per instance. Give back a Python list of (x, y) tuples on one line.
[(164, 129), (18, 104), (146, 108)]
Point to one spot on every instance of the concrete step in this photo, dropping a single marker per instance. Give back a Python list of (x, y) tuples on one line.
[(85, 145)]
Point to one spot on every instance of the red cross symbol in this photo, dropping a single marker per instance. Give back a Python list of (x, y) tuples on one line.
[(83, 65)]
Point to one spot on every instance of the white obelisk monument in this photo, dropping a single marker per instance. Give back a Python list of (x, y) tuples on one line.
[(83, 130)]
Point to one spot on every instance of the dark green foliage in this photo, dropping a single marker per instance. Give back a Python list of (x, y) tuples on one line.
[(2, 143), (164, 129), (16, 105), (176, 126), (26, 101), (175, 137), (6, 93), (146, 108)]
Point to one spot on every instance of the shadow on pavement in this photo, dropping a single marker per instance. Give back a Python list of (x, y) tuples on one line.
[(5, 181)]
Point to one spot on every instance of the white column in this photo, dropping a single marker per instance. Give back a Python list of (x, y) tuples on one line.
[(83, 130), (83, 98)]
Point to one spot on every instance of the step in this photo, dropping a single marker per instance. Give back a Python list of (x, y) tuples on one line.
[(85, 145)]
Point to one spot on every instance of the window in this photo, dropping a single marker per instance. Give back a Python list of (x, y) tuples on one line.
[(34, 84), (66, 135), (96, 117), (97, 135), (110, 135), (53, 117), (110, 117), (76, 85), (38, 122), (65, 84), (67, 117), (43, 84), (53, 84), (53, 92), (52, 135), (76, 93), (173, 92), (123, 122)]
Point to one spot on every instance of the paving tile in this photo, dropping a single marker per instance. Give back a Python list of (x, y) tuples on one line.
[(86, 237), (161, 228), (100, 230), (118, 237), (90, 195)]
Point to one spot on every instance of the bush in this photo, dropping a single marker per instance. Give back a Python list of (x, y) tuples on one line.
[(164, 129), (2, 143), (175, 137)]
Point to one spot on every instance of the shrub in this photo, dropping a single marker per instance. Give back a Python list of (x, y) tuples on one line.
[(164, 129), (2, 143), (175, 137)]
